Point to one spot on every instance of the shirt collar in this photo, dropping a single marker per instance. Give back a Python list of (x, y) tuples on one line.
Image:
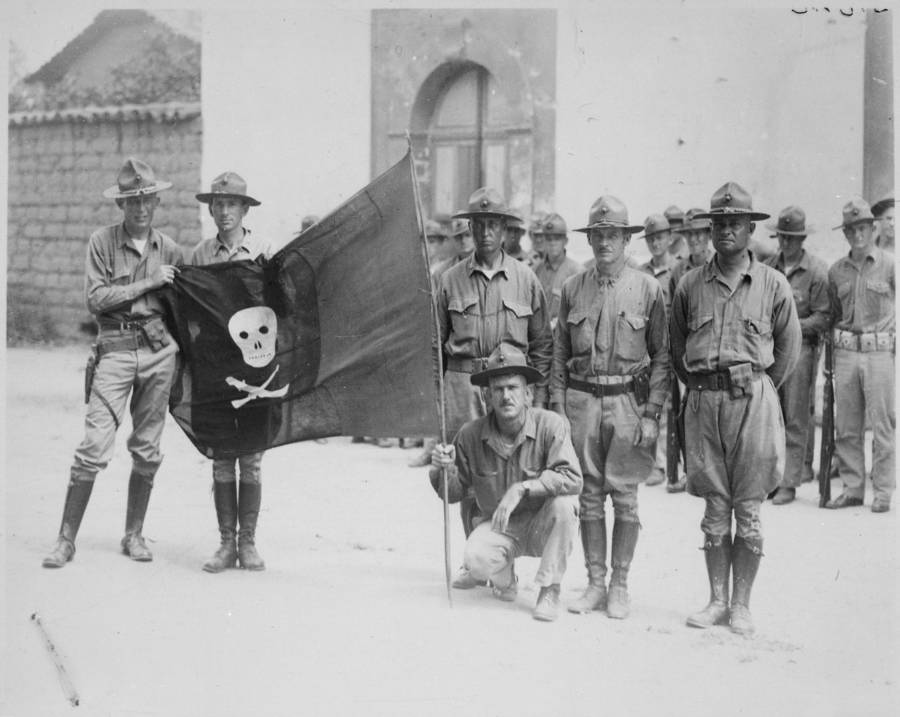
[(221, 246), (559, 262), (874, 254), (606, 280), (802, 264), (490, 433), (472, 266), (125, 238), (711, 269)]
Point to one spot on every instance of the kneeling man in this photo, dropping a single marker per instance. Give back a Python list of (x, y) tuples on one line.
[(520, 464)]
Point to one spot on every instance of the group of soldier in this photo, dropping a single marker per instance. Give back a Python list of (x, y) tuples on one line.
[(735, 327), (556, 378)]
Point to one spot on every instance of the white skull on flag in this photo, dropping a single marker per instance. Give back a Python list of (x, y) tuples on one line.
[(254, 331)]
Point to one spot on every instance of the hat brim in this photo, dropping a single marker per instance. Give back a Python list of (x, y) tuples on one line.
[(871, 220), (749, 213), (475, 215), (115, 193), (658, 231), (482, 378), (207, 197), (627, 228)]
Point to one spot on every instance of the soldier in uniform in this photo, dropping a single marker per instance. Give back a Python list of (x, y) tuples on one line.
[(658, 236), (235, 502), (556, 267), (536, 238), (126, 264), (734, 337), (610, 377), (520, 464), (482, 301), (808, 277), (883, 212), (436, 238), (512, 240), (675, 216), (862, 291)]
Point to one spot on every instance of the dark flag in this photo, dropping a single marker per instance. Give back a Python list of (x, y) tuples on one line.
[(332, 336)]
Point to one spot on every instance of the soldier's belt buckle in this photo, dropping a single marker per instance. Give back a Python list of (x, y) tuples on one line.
[(867, 342)]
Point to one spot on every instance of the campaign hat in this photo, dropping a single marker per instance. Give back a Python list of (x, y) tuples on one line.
[(135, 179), (505, 360), (731, 199), (656, 224), (791, 223), (486, 202), (855, 211), (228, 184), (607, 211)]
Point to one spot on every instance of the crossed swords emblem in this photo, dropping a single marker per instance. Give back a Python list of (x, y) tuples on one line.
[(254, 392)]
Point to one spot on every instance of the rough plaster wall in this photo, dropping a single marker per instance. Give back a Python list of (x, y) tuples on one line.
[(57, 173)]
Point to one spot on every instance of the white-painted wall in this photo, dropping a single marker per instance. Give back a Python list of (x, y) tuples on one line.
[(768, 98)]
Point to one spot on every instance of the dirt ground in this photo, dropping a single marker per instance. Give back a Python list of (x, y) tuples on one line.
[(351, 616)]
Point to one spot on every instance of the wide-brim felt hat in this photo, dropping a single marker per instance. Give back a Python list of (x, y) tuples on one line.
[(486, 202), (731, 199), (881, 206), (228, 184), (791, 223), (694, 221), (506, 360), (135, 178), (607, 211), (855, 211), (656, 224)]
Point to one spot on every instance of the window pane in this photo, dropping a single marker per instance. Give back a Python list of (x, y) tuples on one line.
[(458, 106), (444, 179), (495, 167)]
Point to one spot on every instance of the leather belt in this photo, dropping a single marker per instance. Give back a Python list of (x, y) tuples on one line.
[(863, 342), (715, 381), (106, 324), (598, 390), (466, 365), (127, 343)]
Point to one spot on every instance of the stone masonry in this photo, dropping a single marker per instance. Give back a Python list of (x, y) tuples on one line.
[(59, 165)]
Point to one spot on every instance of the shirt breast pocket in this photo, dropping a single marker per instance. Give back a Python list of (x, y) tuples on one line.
[(581, 332), (517, 317), (464, 317), (757, 340), (699, 339), (631, 342), (879, 299)]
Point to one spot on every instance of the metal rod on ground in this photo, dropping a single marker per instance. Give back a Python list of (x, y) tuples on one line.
[(440, 373), (67, 686)]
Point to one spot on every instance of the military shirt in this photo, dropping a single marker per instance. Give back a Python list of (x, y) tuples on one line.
[(863, 298), (663, 274), (541, 451), (114, 269), (552, 278), (683, 267), (711, 328), (476, 313), (214, 250), (611, 326), (809, 285)]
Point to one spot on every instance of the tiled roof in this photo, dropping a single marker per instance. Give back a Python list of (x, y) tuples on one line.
[(161, 112)]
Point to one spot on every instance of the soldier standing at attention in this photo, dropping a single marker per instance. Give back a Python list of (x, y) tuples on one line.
[(556, 267), (734, 337), (126, 264), (228, 205), (610, 376), (863, 291), (675, 217), (512, 240), (808, 277), (483, 301)]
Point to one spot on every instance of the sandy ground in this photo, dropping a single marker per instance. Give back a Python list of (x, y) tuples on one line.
[(351, 616)]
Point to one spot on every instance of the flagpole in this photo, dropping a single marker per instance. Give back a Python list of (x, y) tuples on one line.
[(440, 372)]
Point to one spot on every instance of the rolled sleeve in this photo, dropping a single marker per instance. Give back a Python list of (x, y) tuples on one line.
[(562, 476)]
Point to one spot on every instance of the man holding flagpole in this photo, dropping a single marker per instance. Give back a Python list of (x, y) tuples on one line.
[(482, 301)]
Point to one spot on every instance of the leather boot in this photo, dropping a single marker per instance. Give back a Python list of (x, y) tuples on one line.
[(249, 498), (624, 540), (225, 499), (547, 607), (745, 555), (718, 567), (133, 545), (593, 540), (77, 495)]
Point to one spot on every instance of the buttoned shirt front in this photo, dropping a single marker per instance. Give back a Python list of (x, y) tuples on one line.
[(611, 326), (477, 312), (115, 268), (541, 451), (711, 328), (809, 285), (863, 296), (214, 250), (552, 276)]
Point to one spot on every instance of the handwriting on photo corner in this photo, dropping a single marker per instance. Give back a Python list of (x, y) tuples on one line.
[(846, 12)]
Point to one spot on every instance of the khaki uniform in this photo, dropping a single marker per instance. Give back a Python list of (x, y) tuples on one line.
[(809, 285), (864, 323), (552, 277), (734, 429), (543, 527)]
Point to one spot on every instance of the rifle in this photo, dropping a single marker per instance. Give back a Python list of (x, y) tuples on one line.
[(674, 432), (826, 450)]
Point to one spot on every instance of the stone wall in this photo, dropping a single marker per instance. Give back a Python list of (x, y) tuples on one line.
[(59, 165)]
